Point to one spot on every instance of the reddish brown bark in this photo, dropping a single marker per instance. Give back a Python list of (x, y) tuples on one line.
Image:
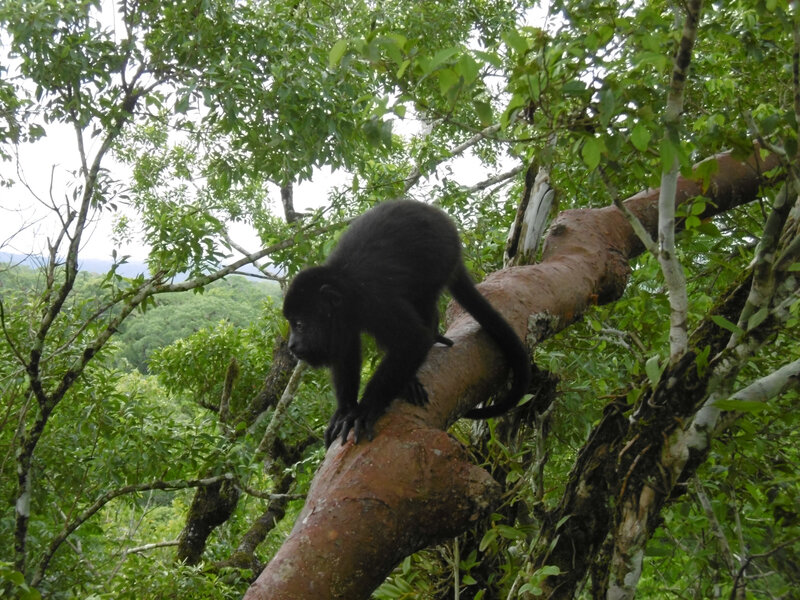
[(372, 504)]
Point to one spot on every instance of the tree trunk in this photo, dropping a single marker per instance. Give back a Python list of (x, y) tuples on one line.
[(372, 504), (212, 506)]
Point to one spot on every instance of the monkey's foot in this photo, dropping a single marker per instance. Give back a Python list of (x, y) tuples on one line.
[(415, 393)]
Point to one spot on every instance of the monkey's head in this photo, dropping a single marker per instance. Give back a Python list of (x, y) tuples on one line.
[(314, 306)]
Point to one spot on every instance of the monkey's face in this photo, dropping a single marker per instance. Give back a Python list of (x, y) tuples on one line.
[(310, 305), (307, 342)]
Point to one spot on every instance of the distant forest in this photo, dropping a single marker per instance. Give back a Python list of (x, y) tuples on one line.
[(237, 300)]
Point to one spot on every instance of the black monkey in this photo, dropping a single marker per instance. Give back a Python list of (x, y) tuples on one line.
[(385, 277)]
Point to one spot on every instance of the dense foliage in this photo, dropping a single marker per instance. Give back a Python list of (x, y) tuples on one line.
[(128, 404)]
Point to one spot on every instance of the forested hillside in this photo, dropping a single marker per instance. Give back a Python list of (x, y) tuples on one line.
[(624, 178), (235, 300)]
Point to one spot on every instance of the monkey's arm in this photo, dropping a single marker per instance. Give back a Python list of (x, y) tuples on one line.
[(407, 339), (346, 373)]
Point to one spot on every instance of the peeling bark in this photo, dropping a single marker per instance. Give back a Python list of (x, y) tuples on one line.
[(372, 504)]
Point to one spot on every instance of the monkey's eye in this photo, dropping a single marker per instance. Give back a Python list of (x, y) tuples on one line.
[(296, 324)]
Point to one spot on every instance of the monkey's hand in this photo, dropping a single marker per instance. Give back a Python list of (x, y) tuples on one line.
[(341, 422), (360, 422)]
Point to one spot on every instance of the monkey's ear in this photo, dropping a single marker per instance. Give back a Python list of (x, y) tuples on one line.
[(331, 295)]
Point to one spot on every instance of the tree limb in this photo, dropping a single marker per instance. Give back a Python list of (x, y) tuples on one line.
[(374, 503)]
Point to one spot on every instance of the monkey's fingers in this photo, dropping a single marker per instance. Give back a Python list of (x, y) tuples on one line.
[(362, 425), (334, 427), (331, 431), (346, 425)]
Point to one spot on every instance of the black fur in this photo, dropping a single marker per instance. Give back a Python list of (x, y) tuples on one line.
[(385, 277)]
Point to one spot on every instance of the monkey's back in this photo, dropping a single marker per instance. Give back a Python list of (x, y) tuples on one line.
[(402, 245)]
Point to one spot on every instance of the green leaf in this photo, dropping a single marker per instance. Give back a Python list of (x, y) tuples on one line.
[(705, 170), (721, 321), (510, 533), (757, 318), (448, 81), (653, 369), (750, 406), (488, 539), (515, 41), (591, 151), (640, 137), (657, 59), (484, 112), (441, 57), (698, 207), (467, 68), (336, 53), (708, 228), (606, 106), (692, 222), (490, 57), (401, 71), (574, 88)]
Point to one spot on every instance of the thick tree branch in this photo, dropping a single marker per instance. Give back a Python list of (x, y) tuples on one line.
[(372, 504)]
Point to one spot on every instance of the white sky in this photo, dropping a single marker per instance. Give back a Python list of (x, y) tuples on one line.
[(26, 221)]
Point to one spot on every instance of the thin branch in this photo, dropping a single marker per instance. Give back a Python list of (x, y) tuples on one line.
[(642, 233), (147, 547), (106, 498), (667, 256), (773, 147), (710, 421), (263, 269), (268, 440), (268, 495), (204, 280), (716, 528), (8, 337), (796, 63), (750, 558), (416, 172), (494, 180)]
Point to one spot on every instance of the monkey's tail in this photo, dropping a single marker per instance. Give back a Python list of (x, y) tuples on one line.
[(468, 296)]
